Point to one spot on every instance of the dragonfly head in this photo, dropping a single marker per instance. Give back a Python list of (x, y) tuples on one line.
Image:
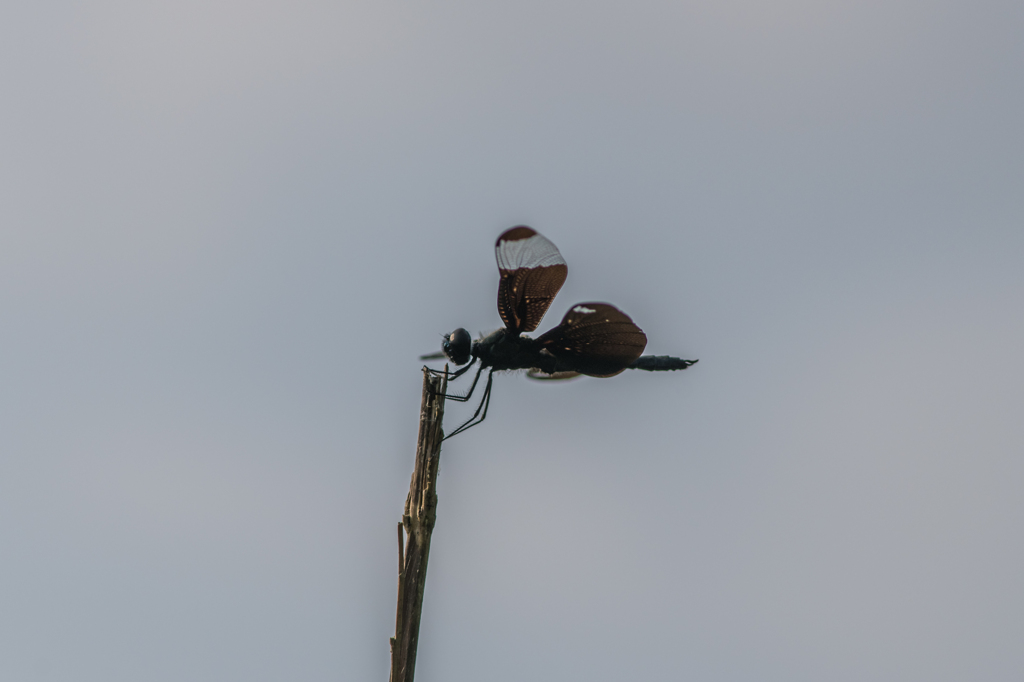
[(457, 346)]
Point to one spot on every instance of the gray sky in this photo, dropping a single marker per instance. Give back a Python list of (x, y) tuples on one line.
[(227, 229)]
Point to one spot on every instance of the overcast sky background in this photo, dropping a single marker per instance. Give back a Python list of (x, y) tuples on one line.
[(228, 229)]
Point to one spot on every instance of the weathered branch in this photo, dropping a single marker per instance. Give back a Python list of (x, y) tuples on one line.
[(418, 523)]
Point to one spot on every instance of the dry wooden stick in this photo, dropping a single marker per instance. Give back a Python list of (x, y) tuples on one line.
[(418, 523)]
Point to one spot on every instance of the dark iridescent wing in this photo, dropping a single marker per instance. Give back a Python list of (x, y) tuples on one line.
[(595, 339), (532, 271)]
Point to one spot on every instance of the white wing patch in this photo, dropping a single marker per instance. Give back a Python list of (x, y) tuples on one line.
[(583, 310), (533, 252)]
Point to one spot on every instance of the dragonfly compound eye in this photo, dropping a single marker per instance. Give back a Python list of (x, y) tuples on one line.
[(457, 346)]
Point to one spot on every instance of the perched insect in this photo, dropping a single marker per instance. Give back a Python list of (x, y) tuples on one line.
[(595, 339)]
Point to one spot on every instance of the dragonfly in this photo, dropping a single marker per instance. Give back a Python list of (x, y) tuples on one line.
[(593, 339)]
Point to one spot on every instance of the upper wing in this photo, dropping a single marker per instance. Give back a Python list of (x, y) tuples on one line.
[(532, 271), (596, 339)]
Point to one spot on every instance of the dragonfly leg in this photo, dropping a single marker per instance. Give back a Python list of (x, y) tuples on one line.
[(451, 375), (455, 375), (484, 404)]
